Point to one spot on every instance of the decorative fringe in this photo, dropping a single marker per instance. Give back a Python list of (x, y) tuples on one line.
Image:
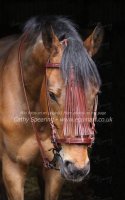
[(76, 119)]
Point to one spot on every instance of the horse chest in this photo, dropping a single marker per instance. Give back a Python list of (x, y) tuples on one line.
[(28, 151)]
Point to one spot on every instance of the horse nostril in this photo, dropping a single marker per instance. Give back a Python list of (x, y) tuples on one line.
[(88, 164), (69, 167), (67, 163), (87, 168)]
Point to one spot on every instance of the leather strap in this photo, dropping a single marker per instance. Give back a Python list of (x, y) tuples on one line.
[(75, 140), (52, 65), (46, 162)]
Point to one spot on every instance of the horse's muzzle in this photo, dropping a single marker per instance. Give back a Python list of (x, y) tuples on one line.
[(71, 173)]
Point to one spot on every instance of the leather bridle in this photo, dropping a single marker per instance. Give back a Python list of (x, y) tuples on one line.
[(86, 140)]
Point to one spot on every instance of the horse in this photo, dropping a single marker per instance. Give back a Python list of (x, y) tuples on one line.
[(49, 85)]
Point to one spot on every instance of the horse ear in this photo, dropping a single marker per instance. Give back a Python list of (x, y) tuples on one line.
[(93, 42), (49, 38)]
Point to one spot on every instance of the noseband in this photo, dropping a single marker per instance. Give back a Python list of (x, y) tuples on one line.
[(84, 139)]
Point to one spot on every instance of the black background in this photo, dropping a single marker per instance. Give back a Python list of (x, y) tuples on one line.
[(105, 158), (12, 12)]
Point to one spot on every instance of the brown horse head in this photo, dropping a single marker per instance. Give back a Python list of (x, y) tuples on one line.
[(74, 160), (71, 83)]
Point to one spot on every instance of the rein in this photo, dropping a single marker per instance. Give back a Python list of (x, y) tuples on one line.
[(46, 163), (86, 139)]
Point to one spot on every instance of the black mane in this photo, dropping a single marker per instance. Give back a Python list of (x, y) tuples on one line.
[(62, 26), (74, 54)]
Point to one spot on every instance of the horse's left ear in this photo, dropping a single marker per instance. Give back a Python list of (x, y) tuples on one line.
[(50, 40), (93, 42)]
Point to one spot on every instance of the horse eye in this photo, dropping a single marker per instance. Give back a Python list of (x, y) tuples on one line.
[(52, 96)]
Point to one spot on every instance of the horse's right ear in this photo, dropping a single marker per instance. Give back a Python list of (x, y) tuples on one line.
[(49, 38), (93, 42)]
